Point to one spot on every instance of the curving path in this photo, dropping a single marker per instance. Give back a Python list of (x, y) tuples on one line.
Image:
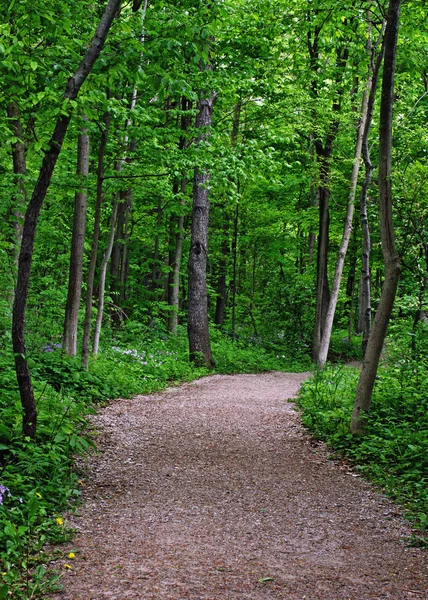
[(213, 491)]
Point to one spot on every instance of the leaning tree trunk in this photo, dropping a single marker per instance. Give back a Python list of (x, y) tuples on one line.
[(77, 246), (391, 258), (362, 136), (102, 283), (29, 423), (197, 327)]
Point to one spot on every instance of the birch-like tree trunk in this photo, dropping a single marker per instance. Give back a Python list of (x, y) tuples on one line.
[(391, 259), (29, 422), (77, 246), (347, 229), (102, 283)]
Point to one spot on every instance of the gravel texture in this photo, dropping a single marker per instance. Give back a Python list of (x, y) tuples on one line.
[(213, 491)]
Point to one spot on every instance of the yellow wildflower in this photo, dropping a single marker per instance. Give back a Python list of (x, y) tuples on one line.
[(71, 555), (60, 521), (67, 566)]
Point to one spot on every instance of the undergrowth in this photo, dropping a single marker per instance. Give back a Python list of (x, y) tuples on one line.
[(37, 480), (393, 453)]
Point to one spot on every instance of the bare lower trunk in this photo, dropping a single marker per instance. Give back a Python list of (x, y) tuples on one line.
[(29, 424), (102, 283), (198, 331), (94, 249), (77, 247), (391, 259)]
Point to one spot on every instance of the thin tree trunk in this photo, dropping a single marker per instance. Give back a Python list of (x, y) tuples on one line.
[(220, 307), (19, 170), (95, 239), (102, 283), (234, 268), (29, 424), (392, 262), (225, 248), (347, 229), (174, 289), (77, 246), (364, 307), (198, 331)]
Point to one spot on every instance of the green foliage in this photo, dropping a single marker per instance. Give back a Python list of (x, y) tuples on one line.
[(38, 477), (394, 450)]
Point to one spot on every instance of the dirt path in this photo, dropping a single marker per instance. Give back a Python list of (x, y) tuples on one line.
[(212, 491)]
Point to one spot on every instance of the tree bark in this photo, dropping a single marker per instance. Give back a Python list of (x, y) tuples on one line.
[(95, 239), (77, 247), (364, 307), (198, 331), (328, 323), (29, 424), (392, 262), (324, 153), (102, 283), (19, 170), (174, 289)]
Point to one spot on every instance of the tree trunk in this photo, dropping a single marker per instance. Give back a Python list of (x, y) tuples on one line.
[(174, 289), (50, 158), (328, 323), (95, 239), (77, 247), (391, 259), (19, 170), (102, 284), (198, 332), (220, 307), (364, 307)]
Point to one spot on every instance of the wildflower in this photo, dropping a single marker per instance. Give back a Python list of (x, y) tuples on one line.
[(71, 555), (60, 521), (67, 566), (4, 491)]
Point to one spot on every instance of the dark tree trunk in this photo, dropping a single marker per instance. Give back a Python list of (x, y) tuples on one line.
[(364, 308), (19, 170), (77, 247), (50, 158), (102, 283), (220, 308), (95, 239), (390, 256), (199, 340)]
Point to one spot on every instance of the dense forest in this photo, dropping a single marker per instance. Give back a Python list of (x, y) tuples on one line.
[(209, 184)]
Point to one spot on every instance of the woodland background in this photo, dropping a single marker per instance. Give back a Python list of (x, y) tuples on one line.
[(264, 102)]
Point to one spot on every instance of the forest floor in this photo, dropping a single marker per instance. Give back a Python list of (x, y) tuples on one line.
[(213, 491)]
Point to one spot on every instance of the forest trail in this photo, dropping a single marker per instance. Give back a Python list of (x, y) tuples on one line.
[(213, 491)]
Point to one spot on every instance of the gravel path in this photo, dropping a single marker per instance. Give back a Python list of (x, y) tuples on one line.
[(213, 491)]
